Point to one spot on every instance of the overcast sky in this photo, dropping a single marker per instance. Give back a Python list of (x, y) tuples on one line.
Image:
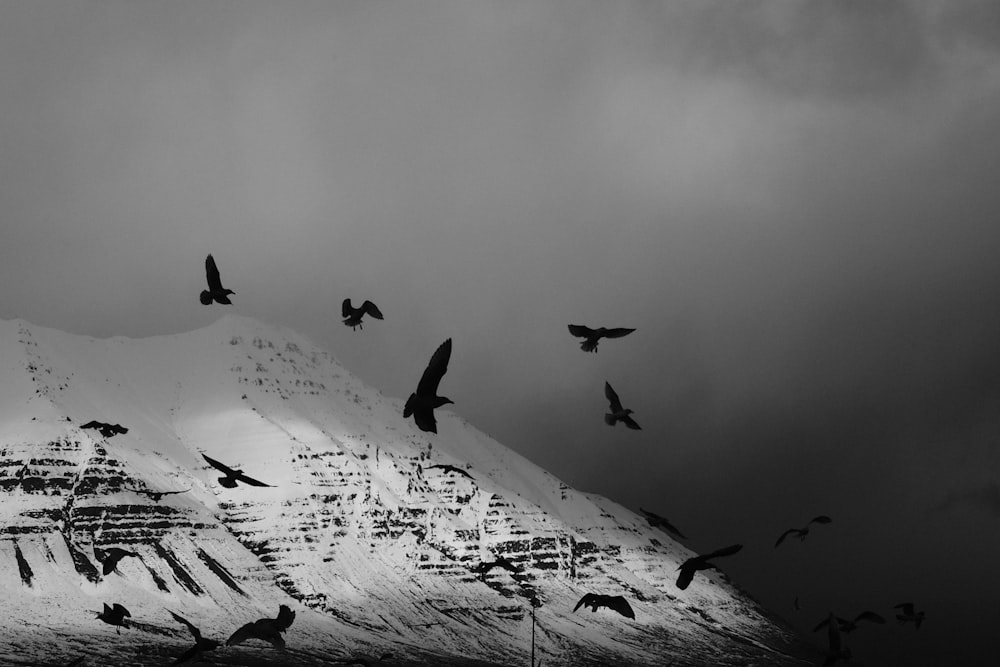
[(795, 203)]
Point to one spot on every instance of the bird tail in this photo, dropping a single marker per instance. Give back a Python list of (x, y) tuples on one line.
[(609, 419), (206, 297), (588, 346)]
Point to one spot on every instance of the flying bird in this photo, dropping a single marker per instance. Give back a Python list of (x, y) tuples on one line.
[(450, 468), (833, 636), (352, 316), (500, 561), (109, 558), (114, 616), (215, 292), (593, 336), (200, 643), (850, 625), (107, 430), (266, 629), (365, 661), (155, 496), (233, 475), (618, 413), (657, 521), (802, 532), (615, 602), (692, 565), (422, 402), (909, 615)]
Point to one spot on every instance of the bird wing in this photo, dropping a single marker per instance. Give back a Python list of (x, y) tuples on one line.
[(617, 333), (821, 624), (687, 569), (187, 655), (435, 370), (631, 423), (833, 633), (612, 396), (425, 420), (586, 599), (371, 309), (118, 609), (725, 551), (907, 607), (244, 633), (168, 493), (220, 466), (346, 310), (285, 617), (246, 479), (212, 274), (581, 331), (621, 605), (91, 424), (786, 534), (822, 518), (869, 616), (194, 631)]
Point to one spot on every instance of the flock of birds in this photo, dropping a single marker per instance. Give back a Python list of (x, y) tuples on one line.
[(420, 406)]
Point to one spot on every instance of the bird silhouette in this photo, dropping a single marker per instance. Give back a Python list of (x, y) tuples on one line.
[(692, 565), (835, 652), (233, 475), (618, 413), (450, 468), (114, 616), (352, 316), (266, 629), (500, 561), (200, 643), (107, 430), (109, 558), (850, 625), (803, 531), (155, 496), (215, 292), (615, 602), (422, 402), (657, 521), (909, 615), (365, 661), (593, 336)]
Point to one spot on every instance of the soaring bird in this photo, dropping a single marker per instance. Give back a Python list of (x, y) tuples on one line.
[(109, 558), (107, 430), (215, 292), (909, 615), (850, 625), (657, 521), (618, 413), (155, 496), (692, 565), (450, 468), (114, 616), (804, 530), (352, 316), (833, 635), (200, 643), (501, 561), (422, 402), (267, 629), (615, 602), (593, 336), (233, 475), (365, 661)]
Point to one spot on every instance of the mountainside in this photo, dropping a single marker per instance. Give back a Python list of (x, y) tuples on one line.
[(374, 549)]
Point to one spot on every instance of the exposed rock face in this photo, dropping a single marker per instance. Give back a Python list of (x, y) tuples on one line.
[(357, 528)]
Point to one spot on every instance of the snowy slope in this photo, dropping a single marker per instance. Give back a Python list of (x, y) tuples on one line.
[(374, 549)]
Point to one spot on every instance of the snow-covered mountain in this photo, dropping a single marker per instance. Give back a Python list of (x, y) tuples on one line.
[(373, 547)]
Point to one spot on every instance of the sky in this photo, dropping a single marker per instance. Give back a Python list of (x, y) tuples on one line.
[(794, 204)]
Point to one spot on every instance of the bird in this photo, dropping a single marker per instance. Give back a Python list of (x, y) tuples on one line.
[(109, 558), (200, 643), (233, 475), (450, 468), (155, 496), (352, 316), (114, 616), (618, 413), (835, 652), (500, 561), (657, 521), (616, 602), (107, 430), (593, 336), (909, 614), (215, 292), (267, 629), (365, 661), (692, 565), (802, 532), (851, 625), (422, 402)]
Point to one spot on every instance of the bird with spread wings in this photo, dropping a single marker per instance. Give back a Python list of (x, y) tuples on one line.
[(804, 530), (352, 316), (424, 400), (200, 643), (215, 292), (615, 602), (692, 565), (266, 629), (593, 336), (232, 475), (618, 413)]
